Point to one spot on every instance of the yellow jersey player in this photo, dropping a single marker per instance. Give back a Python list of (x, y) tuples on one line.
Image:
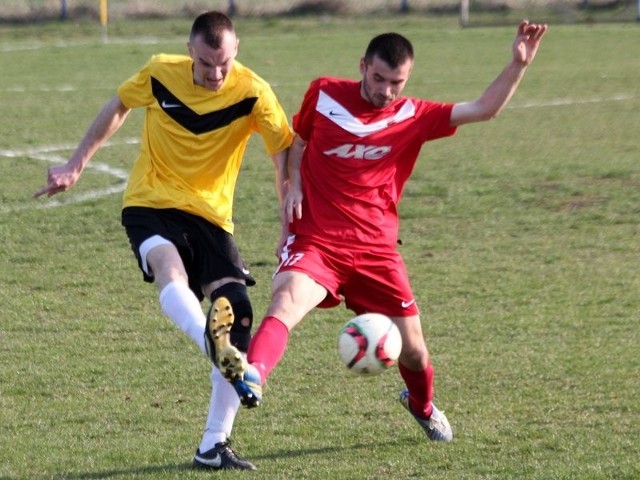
[(200, 110)]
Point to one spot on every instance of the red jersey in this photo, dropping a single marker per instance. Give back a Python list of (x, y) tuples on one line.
[(358, 159)]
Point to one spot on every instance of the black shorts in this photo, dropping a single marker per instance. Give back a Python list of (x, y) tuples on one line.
[(208, 252)]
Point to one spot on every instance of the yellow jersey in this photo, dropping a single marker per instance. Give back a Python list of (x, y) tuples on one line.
[(193, 139)]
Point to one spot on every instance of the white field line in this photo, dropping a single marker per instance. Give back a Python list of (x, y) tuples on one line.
[(12, 47), (44, 89), (562, 102), (48, 153)]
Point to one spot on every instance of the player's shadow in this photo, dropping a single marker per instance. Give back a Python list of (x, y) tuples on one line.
[(149, 470), (152, 470)]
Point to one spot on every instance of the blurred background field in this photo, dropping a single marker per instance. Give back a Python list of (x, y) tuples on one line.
[(481, 12)]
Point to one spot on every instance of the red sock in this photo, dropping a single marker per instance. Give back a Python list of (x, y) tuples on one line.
[(268, 345), (420, 385)]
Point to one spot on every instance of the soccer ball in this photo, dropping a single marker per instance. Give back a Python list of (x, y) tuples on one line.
[(369, 344)]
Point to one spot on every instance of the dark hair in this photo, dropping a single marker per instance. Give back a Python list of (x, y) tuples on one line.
[(211, 25), (391, 48)]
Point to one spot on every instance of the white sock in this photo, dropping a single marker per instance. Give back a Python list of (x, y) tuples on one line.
[(181, 305), (223, 408)]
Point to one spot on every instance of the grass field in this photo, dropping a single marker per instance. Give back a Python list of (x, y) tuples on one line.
[(522, 237)]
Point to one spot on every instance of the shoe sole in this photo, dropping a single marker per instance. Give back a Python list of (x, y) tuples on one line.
[(203, 465), (229, 360)]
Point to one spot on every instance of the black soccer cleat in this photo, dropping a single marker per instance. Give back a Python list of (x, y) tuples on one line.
[(221, 457)]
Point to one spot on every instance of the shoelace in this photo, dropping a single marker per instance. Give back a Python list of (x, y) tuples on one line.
[(227, 448), (436, 419)]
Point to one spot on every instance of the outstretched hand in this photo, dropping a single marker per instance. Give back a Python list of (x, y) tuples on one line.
[(527, 41), (60, 178)]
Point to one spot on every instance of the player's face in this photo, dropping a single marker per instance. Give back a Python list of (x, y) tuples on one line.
[(382, 84), (211, 66)]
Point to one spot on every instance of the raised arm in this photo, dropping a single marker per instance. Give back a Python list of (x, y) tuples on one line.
[(62, 177), (497, 95)]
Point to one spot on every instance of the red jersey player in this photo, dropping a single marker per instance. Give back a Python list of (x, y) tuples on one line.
[(355, 147)]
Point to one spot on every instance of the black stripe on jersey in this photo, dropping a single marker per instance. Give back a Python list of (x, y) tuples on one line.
[(194, 122)]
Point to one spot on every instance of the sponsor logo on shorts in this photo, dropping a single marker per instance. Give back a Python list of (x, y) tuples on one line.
[(409, 303)]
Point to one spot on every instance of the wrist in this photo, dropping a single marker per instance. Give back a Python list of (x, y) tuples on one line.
[(519, 64)]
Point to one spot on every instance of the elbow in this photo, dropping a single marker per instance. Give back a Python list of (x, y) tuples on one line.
[(479, 111), (490, 114)]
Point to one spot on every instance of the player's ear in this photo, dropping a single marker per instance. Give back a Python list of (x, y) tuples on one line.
[(363, 66)]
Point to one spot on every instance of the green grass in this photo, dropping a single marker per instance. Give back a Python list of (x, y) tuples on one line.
[(521, 237)]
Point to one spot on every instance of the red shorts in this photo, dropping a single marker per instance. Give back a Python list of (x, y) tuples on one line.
[(368, 280)]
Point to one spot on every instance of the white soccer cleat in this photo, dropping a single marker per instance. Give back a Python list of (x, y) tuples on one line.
[(436, 426)]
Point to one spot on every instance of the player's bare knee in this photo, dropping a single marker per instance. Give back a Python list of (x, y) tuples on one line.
[(414, 357)]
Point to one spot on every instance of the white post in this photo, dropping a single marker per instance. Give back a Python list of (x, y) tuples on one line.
[(464, 12)]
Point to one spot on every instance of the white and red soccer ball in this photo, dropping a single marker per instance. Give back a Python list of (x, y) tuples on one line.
[(369, 344)]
